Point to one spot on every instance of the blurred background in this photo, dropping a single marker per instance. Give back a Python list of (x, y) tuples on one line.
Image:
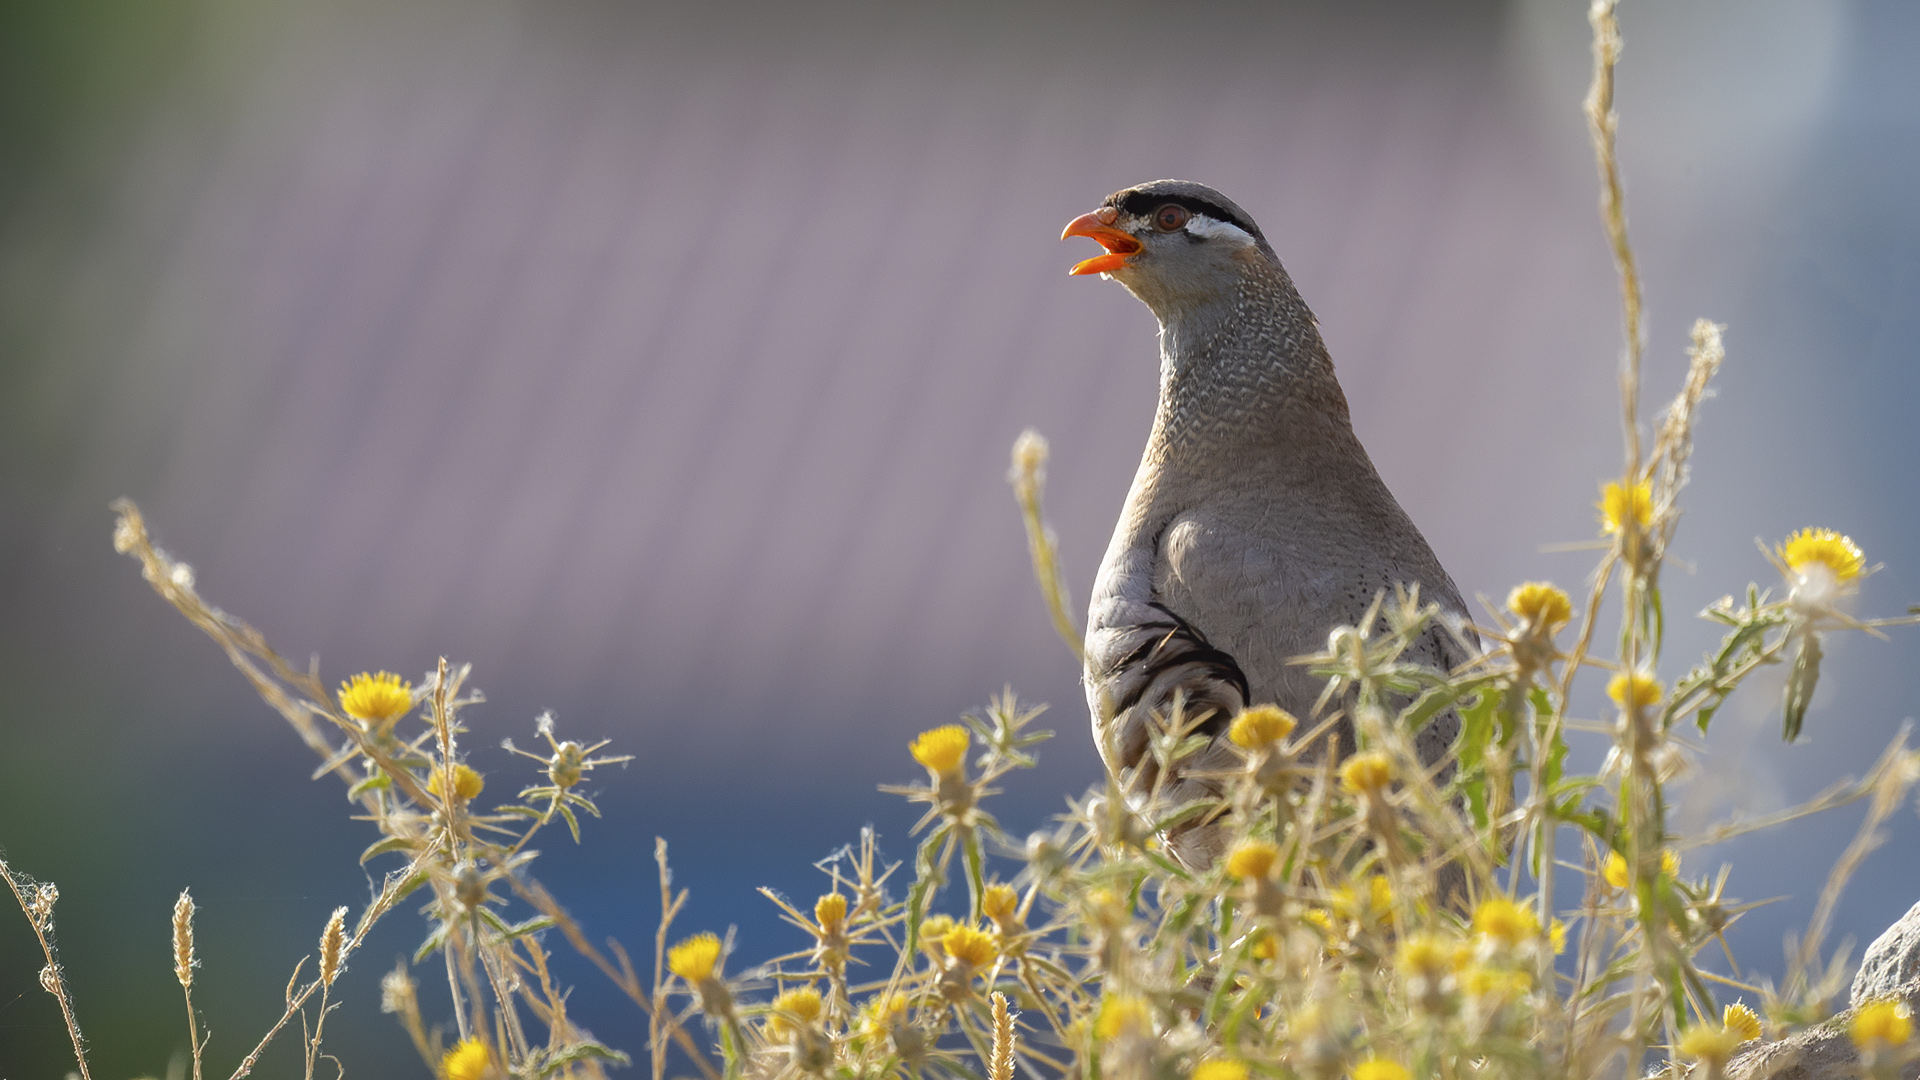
[(662, 361)]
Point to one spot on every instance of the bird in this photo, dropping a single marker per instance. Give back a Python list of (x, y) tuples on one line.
[(1256, 523)]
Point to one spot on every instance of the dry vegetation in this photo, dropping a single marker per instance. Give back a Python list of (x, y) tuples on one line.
[(1318, 948)]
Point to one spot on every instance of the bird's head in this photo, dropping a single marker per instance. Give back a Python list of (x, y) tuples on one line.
[(1175, 244)]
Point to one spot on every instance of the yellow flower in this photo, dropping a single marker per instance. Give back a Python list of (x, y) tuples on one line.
[(1540, 604), (1505, 921), (1487, 982), (1636, 688), (1425, 956), (1742, 1021), (466, 783), (1260, 726), (1219, 1070), (376, 699), (793, 1010), (1001, 904), (1379, 1068), (1619, 506), (1379, 898), (830, 911), (468, 1060), (1252, 859), (881, 1012), (1882, 1025), (941, 749), (1841, 557), (1263, 946), (1123, 1015), (933, 930), (694, 958), (1557, 936), (969, 946), (1615, 871), (1365, 774), (1319, 917), (1709, 1043)]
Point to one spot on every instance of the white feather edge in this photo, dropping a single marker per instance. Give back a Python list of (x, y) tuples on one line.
[(1211, 229)]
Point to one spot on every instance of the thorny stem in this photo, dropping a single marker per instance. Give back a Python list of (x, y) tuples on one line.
[(50, 979)]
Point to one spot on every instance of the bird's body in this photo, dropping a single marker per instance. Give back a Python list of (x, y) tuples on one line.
[(1256, 523)]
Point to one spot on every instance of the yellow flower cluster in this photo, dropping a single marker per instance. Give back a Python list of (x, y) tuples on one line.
[(830, 912), (1711, 1044), (1219, 1070), (1505, 921), (793, 1010), (968, 946), (1742, 1021), (1251, 860), (1617, 873), (468, 1060), (694, 958), (376, 700), (1540, 604), (1379, 899), (1881, 1025), (1620, 505), (1379, 1068), (1838, 554), (1366, 774), (1001, 904), (1262, 725), (1635, 688), (1123, 1015), (941, 749), (467, 784)]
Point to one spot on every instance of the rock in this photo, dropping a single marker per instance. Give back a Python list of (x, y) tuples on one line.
[(1823, 1052), (1892, 961)]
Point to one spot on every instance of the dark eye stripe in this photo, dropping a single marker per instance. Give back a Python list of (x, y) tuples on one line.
[(1143, 204)]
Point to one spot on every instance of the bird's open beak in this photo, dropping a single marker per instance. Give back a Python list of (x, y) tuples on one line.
[(1099, 226)]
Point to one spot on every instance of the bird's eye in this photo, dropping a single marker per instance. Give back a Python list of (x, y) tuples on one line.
[(1170, 217)]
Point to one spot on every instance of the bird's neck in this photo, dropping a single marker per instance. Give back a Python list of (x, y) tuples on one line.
[(1247, 372)]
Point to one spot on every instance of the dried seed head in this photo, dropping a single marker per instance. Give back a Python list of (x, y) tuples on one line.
[(397, 992), (332, 939), (183, 959), (40, 901)]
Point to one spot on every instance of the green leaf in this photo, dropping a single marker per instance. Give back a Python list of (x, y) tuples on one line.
[(531, 926), (1800, 683), (391, 843), (408, 886), (376, 782), (431, 945)]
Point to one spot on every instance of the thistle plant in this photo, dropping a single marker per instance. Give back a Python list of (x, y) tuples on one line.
[(1375, 917)]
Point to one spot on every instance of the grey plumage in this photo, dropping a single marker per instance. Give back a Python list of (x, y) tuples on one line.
[(1256, 522)]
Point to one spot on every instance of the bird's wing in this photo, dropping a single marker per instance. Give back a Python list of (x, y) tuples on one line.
[(1143, 659)]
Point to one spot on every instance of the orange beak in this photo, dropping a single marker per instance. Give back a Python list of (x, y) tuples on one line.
[(1099, 226)]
